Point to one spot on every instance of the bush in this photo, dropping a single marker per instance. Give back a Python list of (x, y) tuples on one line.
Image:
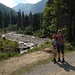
[(29, 30), (69, 46), (3, 56), (7, 55), (39, 33), (8, 45)]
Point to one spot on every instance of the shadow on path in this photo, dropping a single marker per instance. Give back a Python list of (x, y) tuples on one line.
[(66, 66)]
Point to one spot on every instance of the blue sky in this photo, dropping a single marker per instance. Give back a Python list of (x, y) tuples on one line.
[(12, 3)]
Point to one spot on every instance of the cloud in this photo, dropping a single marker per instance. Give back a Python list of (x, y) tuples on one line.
[(12, 3), (33, 1), (7, 2), (26, 1)]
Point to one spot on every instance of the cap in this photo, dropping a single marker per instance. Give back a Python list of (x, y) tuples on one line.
[(59, 30)]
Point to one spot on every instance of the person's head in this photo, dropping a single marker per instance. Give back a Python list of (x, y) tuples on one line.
[(59, 32)]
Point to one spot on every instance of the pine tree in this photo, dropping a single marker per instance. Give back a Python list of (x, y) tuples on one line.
[(23, 19), (60, 14), (36, 22), (1, 19), (6, 20), (30, 18), (26, 21), (19, 21)]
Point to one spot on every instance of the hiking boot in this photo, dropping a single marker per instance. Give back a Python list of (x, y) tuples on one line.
[(59, 60), (54, 59), (55, 62), (63, 60)]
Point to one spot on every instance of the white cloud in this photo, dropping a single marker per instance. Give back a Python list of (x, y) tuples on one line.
[(33, 1), (12, 3), (9, 3)]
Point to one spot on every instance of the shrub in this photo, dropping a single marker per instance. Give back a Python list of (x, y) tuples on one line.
[(69, 46), (7, 55), (8, 45), (29, 30)]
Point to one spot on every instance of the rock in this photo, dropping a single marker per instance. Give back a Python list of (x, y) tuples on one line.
[(25, 41)]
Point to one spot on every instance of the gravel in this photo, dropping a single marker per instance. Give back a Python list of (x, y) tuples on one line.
[(67, 68)]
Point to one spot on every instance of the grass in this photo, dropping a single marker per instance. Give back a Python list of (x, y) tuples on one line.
[(6, 55), (69, 48), (46, 44)]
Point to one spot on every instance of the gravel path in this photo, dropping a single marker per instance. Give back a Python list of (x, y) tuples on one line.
[(68, 68), (13, 64), (8, 66)]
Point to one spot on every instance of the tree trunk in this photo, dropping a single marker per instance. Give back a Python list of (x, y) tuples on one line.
[(70, 25), (74, 30)]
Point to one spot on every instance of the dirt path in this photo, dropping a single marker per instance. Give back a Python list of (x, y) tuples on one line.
[(10, 65), (68, 68)]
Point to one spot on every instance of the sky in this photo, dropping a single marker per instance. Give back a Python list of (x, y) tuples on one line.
[(12, 3)]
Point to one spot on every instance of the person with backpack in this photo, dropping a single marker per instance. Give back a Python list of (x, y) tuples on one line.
[(54, 44), (60, 45)]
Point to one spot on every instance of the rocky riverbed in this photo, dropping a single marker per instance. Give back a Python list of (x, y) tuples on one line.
[(25, 41)]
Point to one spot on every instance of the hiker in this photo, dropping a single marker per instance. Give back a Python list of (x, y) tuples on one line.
[(54, 39), (60, 45)]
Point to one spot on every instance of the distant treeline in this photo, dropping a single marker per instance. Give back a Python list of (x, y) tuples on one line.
[(28, 23)]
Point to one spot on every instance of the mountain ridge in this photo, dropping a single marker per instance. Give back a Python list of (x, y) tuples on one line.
[(34, 8), (4, 8), (21, 6)]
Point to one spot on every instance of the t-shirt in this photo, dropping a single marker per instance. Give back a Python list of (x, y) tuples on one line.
[(54, 41), (60, 39)]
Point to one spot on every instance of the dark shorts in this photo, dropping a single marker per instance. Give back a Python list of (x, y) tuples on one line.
[(60, 48)]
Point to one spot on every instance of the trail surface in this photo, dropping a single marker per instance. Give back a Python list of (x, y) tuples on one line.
[(68, 68), (13, 64)]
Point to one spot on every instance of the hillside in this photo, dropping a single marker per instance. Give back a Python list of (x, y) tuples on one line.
[(39, 7), (35, 8), (23, 7), (6, 9)]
